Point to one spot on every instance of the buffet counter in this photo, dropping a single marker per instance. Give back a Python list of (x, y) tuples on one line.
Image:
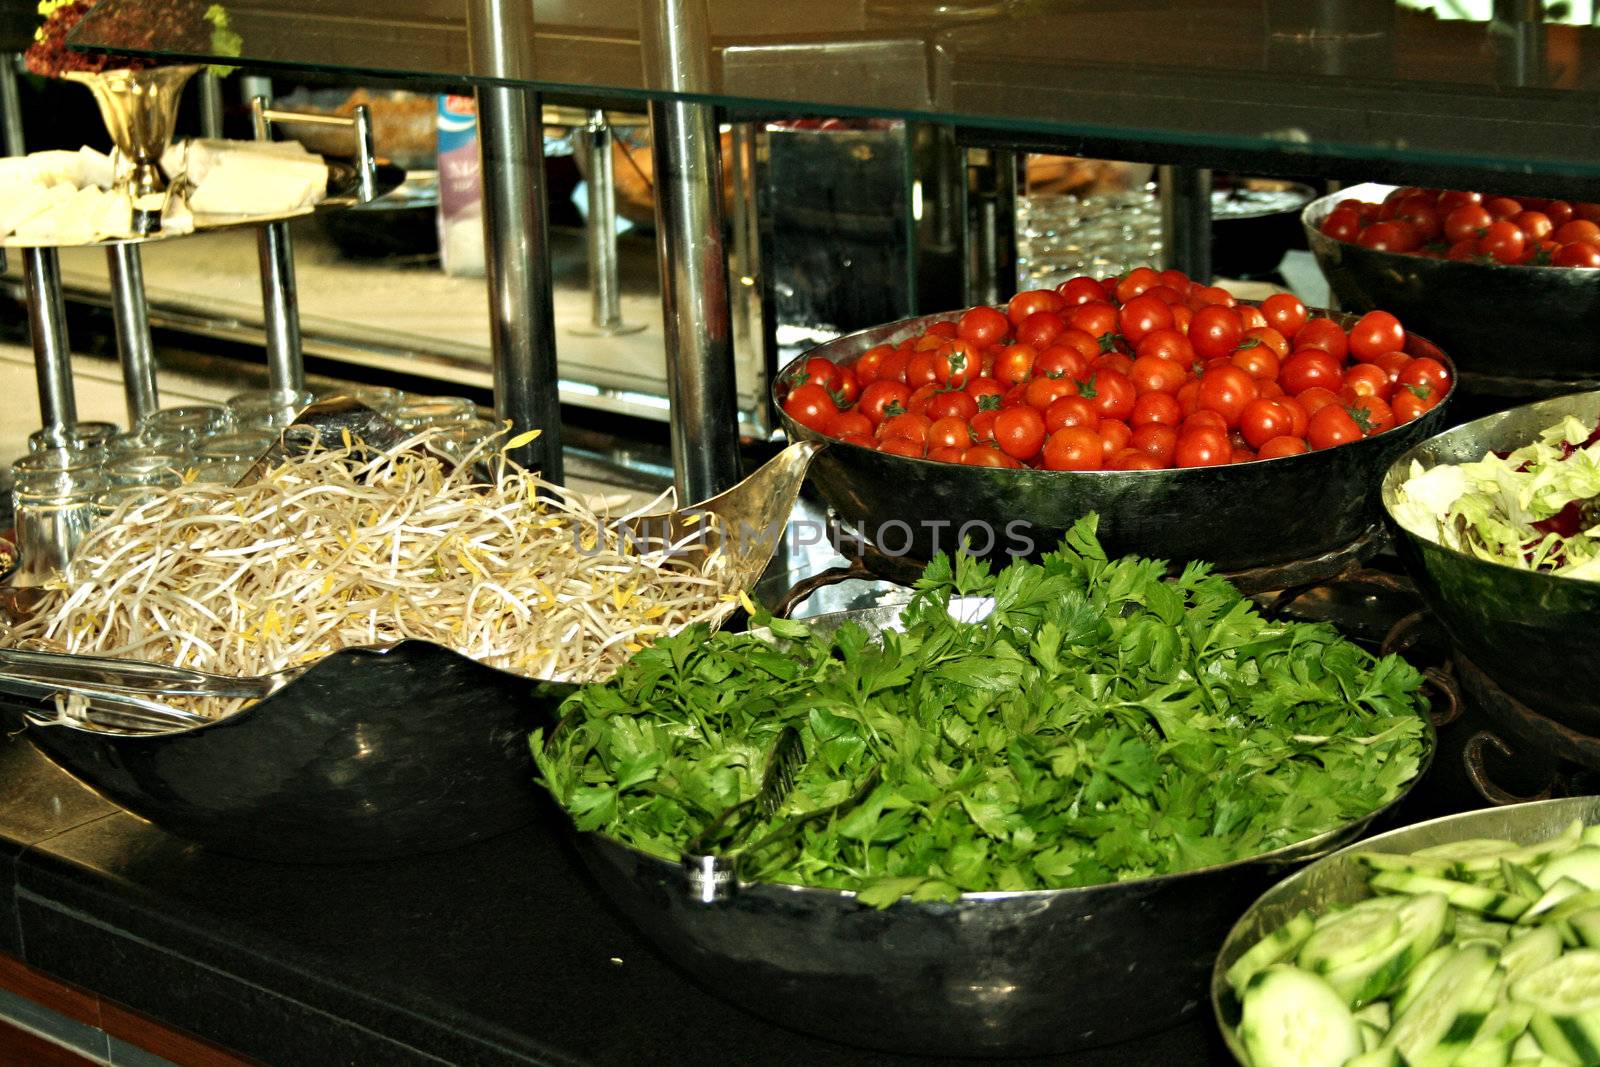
[(498, 953)]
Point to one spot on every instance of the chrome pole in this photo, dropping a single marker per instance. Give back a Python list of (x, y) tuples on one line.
[(131, 317), (605, 283), (210, 90), (11, 106), (694, 263), (1186, 220), (52, 358), (516, 237), (280, 300)]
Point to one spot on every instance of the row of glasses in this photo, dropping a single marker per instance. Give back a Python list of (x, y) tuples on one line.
[(1064, 236)]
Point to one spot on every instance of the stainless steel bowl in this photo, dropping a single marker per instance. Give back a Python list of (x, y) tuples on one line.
[(1340, 879), (1532, 633), (1237, 517), (1527, 330), (992, 974)]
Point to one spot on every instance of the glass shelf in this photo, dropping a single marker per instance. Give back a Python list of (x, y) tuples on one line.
[(1283, 80)]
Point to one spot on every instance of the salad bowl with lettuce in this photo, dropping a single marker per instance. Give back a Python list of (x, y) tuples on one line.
[(1498, 521)]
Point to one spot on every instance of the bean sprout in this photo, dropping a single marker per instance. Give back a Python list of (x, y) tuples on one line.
[(343, 547)]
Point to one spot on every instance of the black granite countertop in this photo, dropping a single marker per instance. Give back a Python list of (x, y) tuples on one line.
[(502, 952)]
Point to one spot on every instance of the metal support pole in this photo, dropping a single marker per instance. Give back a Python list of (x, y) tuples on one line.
[(694, 263), (11, 106), (1186, 220), (991, 275), (210, 90), (516, 237), (280, 300), (52, 358), (134, 347), (605, 283)]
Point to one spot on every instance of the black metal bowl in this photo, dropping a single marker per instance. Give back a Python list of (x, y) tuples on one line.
[(1532, 633), (1512, 330), (1238, 516), (1248, 241), (1341, 879), (991, 974)]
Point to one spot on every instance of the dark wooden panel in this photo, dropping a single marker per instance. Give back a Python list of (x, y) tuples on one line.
[(21, 1047)]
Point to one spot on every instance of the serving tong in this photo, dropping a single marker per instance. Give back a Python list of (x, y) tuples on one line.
[(124, 696)]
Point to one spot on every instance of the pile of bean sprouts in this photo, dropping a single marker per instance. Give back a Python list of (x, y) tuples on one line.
[(343, 547)]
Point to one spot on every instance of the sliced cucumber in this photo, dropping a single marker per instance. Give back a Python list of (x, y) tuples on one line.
[(1533, 948), (1585, 927), (1508, 1022), (1521, 880), (1484, 1054), (1377, 1015), (1348, 937), (1281, 944), (1382, 1056), (1577, 902), (1371, 1036), (1470, 927), (1400, 861), (1292, 1018), (1591, 835), (1418, 978), (1501, 905), (1581, 865), (1422, 923), (1566, 993), (1565, 841), (1564, 889), (1468, 850), (1445, 1016)]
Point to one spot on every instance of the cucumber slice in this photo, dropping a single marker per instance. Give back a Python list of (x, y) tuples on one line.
[(1507, 1022), (1282, 943), (1565, 996), (1573, 905), (1526, 1048), (1477, 898), (1382, 1056), (1563, 889), (1521, 880), (1418, 978), (1472, 928), (1484, 1054), (1400, 861), (1533, 948), (1468, 850), (1377, 1015), (1585, 926), (1570, 1040), (1422, 923), (1581, 865), (1371, 1036), (1444, 1018), (1591, 835), (1565, 841), (1349, 937), (1292, 1018)]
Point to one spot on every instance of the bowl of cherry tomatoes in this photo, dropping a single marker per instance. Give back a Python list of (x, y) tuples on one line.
[(1198, 427), (1509, 285)]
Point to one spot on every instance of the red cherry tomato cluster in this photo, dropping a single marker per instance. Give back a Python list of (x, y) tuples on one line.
[(1142, 372), (1472, 227)]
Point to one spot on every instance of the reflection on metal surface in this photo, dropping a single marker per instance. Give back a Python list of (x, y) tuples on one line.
[(125, 269), (52, 356), (605, 284)]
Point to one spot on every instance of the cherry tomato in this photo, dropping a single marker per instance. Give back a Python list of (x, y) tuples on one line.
[(903, 446), (1376, 333), (1269, 336), (1044, 391), (1142, 316), (1324, 334), (1226, 390), (1427, 373), (1085, 345), (1153, 374), (846, 422), (1177, 281), (893, 368), (811, 406), (945, 331), (988, 456), (1342, 224), (1587, 211), (1315, 399), (1502, 207), (1368, 379), (1202, 448), (1298, 415), (1215, 331), (1578, 230), (1074, 448), (1332, 426), (1262, 420), (882, 399), (1132, 459), (920, 397), (1419, 213), (1256, 360), (1040, 329), (1111, 392), (1114, 437), (986, 390), (1451, 199), (1468, 220), (1207, 420), (1372, 414), (951, 432), (1156, 407), (912, 426), (1392, 364), (1465, 250), (952, 454), (1080, 290), (1251, 317), (951, 404), (1392, 236), (1269, 390), (1535, 225), (1135, 282), (1032, 301), (1155, 439), (984, 326), (1411, 402), (1071, 411), (1188, 395), (820, 371), (1098, 320), (1166, 344), (930, 342), (983, 424), (1061, 361), (1279, 447), (1285, 313), (1504, 241), (848, 389), (1206, 295), (1111, 361), (1019, 432), (1015, 364), (863, 439), (1577, 254), (1164, 293), (956, 362), (924, 369)]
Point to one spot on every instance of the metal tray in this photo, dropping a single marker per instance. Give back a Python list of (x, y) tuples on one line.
[(1238, 517), (1339, 879), (992, 974)]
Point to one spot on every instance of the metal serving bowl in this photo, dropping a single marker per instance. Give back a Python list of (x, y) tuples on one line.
[(1340, 879), (373, 753), (1528, 330), (1532, 633), (991, 974), (1238, 516)]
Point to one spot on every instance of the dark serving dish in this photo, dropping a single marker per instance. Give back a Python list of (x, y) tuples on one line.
[(991, 974), (1527, 330), (1532, 633), (1238, 516)]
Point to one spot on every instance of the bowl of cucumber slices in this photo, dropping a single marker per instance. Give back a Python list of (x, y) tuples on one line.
[(1472, 941)]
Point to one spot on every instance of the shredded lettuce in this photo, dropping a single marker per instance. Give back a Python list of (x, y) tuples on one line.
[(1537, 508)]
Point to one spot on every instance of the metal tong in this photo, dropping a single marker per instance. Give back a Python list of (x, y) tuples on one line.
[(124, 695), (713, 876)]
